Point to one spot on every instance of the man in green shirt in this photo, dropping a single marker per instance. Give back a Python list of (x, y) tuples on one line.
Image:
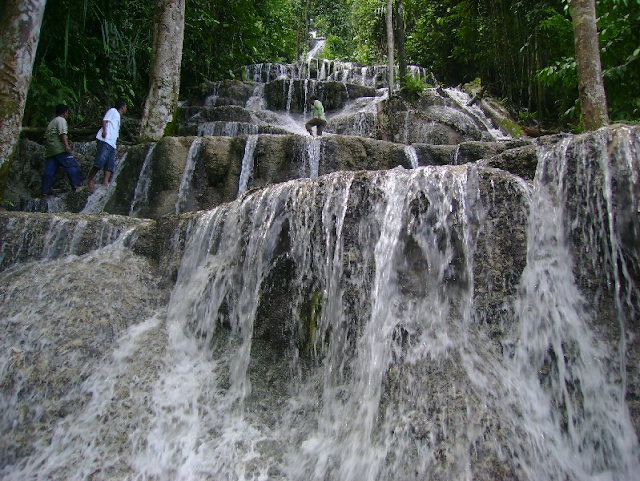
[(318, 120), (58, 152)]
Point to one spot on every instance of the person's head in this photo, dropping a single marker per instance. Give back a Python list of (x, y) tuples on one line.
[(62, 110), (120, 106), (312, 100)]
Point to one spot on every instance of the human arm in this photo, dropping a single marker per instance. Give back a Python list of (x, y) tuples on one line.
[(65, 142), (104, 129)]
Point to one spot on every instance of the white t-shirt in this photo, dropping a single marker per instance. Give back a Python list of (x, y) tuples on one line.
[(112, 118)]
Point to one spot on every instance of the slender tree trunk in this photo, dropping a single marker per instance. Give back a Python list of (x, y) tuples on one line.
[(402, 56), (593, 101), (390, 46), (20, 22), (164, 81)]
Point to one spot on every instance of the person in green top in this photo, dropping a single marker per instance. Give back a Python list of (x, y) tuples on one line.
[(58, 152), (318, 120)]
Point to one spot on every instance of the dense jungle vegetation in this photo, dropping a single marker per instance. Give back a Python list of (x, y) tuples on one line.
[(92, 51)]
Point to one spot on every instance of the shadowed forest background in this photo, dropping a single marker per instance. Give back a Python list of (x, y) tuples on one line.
[(93, 51)]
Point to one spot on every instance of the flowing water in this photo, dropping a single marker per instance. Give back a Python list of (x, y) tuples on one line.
[(246, 173), (141, 194), (187, 175), (337, 327), (376, 367), (101, 195)]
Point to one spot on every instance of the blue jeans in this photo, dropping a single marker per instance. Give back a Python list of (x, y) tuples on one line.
[(105, 156), (70, 166)]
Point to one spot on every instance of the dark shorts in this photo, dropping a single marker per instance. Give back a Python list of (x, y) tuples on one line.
[(105, 156), (315, 122)]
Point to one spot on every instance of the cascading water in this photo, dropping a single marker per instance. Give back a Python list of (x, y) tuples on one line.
[(247, 163), (574, 416), (412, 155), (331, 329), (451, 322), (99, 198), (141, 194), (228, 129), (308, 156), (187, 174), (462, 99), (227, 419)]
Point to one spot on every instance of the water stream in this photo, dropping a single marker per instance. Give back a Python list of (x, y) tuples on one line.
[(376, 368)]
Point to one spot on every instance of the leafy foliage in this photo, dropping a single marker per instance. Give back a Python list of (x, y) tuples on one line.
[(94, 51), (89, 54)]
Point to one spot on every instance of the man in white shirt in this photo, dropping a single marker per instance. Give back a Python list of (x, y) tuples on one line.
[(106, 143)]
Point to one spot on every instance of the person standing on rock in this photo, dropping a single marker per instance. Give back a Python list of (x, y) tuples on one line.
[(318, 120), (106, 143), (58, 152)]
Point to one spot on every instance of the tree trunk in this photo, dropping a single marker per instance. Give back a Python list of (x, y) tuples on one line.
[(164, 79), (402, 56), (593, 101), (19, 34), (390, 46)]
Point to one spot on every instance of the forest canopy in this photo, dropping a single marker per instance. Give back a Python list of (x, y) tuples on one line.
[(93, 51)]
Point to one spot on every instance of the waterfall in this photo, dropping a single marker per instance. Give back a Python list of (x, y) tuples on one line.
[(310, 157), (572, 384), (341, 436), (141, 194), (226, 129), (455, 155), (62, 238), (289, 95), (187, 175), (336, 328), (256, 101), (306, 98), (247, 164), (48, 237), (212, 98), (316, 50), (97, 201), (412, 156), (462, 100)]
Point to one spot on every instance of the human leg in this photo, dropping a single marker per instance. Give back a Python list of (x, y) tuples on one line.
[(315, 122), (50, 168), (102, 153), (308, 126), (110, 165), (92, 174), (71, 168), (320, 127)]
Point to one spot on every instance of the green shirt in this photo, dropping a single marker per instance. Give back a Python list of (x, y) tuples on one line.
[(318, 109), (52, 141)]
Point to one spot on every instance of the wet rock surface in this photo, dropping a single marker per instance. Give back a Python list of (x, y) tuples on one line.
[(420, 300)]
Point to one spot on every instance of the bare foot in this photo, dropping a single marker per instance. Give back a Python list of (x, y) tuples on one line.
[(105, 185), (91, 184)]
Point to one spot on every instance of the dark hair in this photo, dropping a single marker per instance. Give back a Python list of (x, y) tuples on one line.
[(313, 99), (61, 109), (119, 104)]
